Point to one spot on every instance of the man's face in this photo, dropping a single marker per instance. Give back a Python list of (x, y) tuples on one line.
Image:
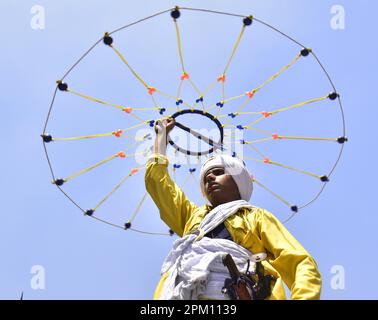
[(220, 187)]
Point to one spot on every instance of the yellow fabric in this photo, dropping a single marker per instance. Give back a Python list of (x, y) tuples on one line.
[(257, 230)]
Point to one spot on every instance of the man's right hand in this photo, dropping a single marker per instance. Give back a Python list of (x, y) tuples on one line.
[(164, 126)]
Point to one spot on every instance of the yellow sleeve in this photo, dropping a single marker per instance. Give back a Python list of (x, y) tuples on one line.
[(175, 208), (297, 268)]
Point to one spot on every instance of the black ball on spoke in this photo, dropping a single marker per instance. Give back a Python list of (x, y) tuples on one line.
[(89, 212), (333, 95), (46, 137), (247, 21), (342, 140), (62, 86), (324, 179), (175, 13), (59, 182), (305, 52), (108, 40)]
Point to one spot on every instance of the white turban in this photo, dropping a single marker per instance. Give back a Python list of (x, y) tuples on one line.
[(232, 166)]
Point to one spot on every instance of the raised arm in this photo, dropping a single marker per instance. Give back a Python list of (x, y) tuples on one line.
[(162, 129), (175, 208)]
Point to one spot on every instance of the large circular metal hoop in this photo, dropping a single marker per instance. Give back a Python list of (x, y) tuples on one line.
[(46, 138)]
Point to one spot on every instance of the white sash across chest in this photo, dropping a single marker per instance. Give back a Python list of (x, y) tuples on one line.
[(194, 264)]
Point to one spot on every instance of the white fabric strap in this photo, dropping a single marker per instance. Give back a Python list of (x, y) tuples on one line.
[(195, 267)]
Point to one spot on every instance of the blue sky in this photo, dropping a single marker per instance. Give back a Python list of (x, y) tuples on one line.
[(85, 259)]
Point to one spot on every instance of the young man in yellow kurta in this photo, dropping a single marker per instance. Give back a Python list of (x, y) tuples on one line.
[(252, 228)]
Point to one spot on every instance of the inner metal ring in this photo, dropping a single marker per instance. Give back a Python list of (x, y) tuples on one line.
[(199, 136)]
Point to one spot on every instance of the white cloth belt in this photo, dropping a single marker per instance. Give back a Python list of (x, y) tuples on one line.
[(194, 265)]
